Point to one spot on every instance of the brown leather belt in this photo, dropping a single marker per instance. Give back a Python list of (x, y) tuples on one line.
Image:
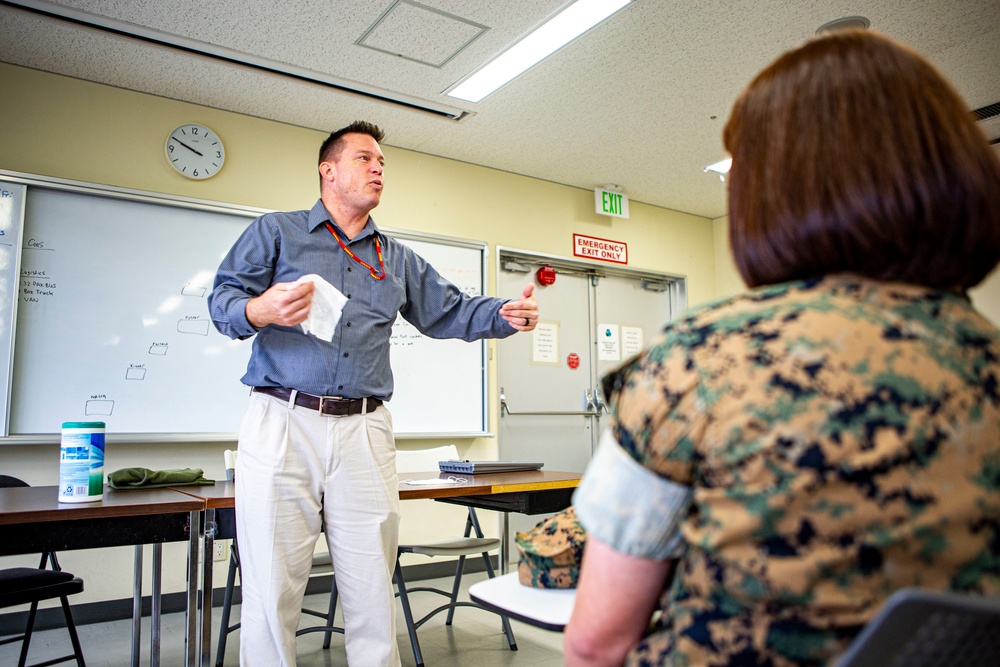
[(326, 405)]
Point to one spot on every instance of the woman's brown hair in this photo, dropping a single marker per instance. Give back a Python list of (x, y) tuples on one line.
[(853, 154)]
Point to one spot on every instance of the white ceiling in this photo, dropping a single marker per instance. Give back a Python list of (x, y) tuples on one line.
[(639, 101)]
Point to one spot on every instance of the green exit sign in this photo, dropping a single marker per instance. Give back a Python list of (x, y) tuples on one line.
[(609, 202)]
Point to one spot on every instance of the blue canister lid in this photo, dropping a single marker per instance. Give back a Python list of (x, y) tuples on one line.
[(83, 425)]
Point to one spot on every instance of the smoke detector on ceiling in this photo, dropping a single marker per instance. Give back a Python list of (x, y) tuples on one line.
[(844, 23)]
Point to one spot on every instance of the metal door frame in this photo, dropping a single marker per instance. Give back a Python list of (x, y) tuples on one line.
[(676, 283), (673, 283)]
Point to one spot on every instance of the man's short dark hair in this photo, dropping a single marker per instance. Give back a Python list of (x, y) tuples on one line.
[(333, 144), (853, 154)]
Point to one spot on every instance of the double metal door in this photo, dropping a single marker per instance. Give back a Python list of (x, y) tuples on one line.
[(591, 319)]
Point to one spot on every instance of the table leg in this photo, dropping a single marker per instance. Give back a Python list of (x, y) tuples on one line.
[(191, 613), (207, 570), (136, 604), (504, 537), (157, 605)]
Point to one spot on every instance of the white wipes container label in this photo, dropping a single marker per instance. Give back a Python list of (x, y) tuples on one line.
[(81, 462)]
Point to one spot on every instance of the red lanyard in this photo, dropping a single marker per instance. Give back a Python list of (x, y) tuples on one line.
[(378, 250)]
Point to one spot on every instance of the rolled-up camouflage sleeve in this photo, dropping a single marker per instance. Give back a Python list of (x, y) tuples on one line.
[(629, 507)]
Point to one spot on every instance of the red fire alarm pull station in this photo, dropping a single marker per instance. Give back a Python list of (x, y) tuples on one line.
[(546, 275)]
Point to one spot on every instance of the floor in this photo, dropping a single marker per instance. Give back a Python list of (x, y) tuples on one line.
[(475, 639)]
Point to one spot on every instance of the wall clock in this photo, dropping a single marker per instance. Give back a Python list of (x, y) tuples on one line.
[(195, 151)]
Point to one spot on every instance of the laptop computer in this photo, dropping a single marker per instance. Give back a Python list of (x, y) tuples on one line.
[(482, 467)]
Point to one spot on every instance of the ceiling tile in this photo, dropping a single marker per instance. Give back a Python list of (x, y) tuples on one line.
[(420, 33)]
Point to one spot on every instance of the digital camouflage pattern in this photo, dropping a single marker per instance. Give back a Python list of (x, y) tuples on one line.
[(549, 554), (842, 440)]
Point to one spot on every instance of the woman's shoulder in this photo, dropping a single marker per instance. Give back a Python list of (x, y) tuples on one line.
[(736, 313)]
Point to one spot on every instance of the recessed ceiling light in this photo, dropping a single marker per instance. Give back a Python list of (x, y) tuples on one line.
[(721, 167), (844, 23), (546, 39)]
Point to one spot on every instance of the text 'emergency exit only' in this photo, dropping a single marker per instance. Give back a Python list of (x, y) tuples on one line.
[(605, 250)]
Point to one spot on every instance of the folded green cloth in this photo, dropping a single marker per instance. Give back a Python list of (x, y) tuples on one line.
[(143, 478)]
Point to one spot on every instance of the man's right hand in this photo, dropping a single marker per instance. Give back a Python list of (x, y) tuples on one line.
[(282, 304)]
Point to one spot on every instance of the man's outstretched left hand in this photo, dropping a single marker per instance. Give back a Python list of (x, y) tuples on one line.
[(523, 313)]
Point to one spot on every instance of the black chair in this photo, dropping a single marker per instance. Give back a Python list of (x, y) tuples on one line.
[(919, 628), (27, 585)]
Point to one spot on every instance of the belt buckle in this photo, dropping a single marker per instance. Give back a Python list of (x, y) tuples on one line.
[(334, 407)]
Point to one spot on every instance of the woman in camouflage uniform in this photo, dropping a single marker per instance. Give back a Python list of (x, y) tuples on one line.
[(799, 452)]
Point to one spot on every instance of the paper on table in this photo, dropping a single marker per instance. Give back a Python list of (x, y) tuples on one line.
[(326, 309), (429, 482)]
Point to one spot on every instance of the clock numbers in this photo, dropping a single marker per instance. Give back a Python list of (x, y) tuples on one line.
[(194, 151)]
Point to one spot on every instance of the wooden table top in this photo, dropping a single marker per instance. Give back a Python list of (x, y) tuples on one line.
[(41, 503)]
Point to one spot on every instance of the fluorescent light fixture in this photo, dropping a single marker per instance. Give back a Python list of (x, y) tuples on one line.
[(545, 40), (720, 167)]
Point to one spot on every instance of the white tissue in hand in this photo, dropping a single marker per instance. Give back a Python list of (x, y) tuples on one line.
[(326, 309)]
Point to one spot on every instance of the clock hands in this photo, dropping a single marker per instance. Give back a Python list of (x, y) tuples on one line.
[(203, 154), (187, 147)]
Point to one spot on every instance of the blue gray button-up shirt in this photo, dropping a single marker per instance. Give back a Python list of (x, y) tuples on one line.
[(281, 247)]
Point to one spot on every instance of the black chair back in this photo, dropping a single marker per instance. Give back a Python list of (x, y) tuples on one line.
[(918, 628), (6, 481)]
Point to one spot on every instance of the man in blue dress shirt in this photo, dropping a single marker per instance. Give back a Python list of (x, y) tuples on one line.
[(316, 445)]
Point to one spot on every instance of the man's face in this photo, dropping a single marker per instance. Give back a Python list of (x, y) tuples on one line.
[(357, 172)]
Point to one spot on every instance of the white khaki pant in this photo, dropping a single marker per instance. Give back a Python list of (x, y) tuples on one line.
[(297, 471)]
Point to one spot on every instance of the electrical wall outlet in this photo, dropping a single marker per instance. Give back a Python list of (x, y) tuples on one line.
[(221, 550)]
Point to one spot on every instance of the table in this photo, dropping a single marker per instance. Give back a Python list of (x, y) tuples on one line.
[(32, 520), (548, 608), (528, 492)]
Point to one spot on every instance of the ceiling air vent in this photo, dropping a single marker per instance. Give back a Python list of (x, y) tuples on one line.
[(987, 112)]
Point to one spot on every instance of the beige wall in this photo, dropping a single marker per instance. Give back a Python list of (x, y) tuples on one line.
[(986, 297), (60, 127), (727, 278)]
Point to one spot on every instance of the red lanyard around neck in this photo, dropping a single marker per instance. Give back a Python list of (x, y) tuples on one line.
[(378, 251)]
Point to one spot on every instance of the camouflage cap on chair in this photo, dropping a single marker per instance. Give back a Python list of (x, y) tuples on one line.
[(549, 554)]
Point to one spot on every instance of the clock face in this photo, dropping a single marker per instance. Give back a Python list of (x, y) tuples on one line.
[(195, 151)]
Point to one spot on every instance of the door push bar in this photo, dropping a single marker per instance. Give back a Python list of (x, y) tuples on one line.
[(595, 406)]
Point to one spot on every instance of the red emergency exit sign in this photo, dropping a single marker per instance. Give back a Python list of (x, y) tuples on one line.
[(605, 250)]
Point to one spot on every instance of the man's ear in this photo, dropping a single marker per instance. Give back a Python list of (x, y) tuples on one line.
[(327, 171)]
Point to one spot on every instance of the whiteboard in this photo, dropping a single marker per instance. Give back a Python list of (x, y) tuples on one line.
[(112, 324), (11, 221), (439, 380)]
